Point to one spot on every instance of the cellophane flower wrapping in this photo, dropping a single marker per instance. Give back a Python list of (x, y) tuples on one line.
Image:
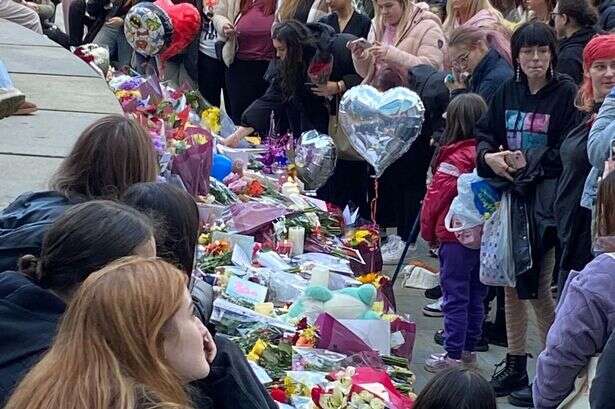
[(194, 167), (320, 68)]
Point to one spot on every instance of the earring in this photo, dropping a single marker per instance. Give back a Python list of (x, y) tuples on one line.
[(518, 78), (551, 68)]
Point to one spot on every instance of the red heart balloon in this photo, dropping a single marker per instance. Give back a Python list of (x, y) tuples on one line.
[(186, 22)]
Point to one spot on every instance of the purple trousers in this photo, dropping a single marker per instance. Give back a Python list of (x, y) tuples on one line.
[(463, 298)]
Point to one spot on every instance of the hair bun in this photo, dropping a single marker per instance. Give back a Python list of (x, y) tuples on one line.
[(28, 265)]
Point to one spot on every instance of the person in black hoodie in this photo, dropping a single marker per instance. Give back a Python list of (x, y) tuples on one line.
[(575, 22), (518, 149), (474, 52)]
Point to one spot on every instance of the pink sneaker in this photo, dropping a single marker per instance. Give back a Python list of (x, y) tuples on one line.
[(440, 362)]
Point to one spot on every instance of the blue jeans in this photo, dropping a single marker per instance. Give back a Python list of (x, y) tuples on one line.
[(5, 79), (115, 41), (463, 298)]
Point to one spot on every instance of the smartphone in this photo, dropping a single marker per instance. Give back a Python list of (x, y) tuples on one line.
[(363, 43), (516, 160)]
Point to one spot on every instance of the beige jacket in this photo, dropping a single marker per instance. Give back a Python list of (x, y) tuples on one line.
[(227, 11), (420, 41)]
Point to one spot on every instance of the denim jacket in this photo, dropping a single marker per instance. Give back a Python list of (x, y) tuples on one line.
[(598, 147)]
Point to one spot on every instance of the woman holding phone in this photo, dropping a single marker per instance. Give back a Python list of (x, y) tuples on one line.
[(518, 147), (403, 35)]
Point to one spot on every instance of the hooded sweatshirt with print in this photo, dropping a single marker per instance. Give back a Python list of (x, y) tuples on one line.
[(536, 124)]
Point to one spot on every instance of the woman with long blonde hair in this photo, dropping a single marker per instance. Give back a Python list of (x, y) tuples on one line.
[(128, 340), (477, 13)]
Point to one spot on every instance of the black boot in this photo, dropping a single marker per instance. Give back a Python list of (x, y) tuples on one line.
[(522, 398), (512, 377)]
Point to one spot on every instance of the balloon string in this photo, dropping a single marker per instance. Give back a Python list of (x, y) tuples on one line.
[(374, 203)]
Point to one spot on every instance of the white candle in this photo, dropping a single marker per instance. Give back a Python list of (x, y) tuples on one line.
[(320, 276), (296, 235)]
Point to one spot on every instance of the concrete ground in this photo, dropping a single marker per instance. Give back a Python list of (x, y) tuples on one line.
[(411, 301), (70, 96)]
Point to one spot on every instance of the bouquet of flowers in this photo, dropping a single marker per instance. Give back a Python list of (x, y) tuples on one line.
[(366, 240), (360, 388), (320, 68), (216, 254)]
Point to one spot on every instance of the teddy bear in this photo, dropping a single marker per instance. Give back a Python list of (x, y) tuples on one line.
[(347, 303)]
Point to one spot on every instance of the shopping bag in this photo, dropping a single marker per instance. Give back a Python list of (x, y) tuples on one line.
[(336, 337), (497, 267), (404, 331)]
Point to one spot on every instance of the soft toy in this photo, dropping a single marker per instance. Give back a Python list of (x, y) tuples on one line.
[(347, 303)]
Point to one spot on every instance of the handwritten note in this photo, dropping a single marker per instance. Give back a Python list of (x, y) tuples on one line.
[(246, 290)]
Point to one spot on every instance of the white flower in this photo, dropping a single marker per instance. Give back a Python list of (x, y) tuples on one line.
[(376, 403), (366, 396)]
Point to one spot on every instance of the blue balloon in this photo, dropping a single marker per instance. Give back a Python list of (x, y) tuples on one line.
[(221, 166)]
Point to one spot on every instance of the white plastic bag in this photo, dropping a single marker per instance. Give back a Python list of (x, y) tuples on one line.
[(497, 266), (463, 206), (463, 218)]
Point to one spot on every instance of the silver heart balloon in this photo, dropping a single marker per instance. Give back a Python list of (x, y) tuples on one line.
[(315, 157), (381, 126)]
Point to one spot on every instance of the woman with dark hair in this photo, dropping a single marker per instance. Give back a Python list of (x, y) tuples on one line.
[(309, 106), (245, 26), (585, 319), (83, 240), (457, 388), (518, 148), (109, 156), (176, 215)]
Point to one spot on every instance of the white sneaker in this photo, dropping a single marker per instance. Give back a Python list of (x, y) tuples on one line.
[(392, 250), (434, 309)]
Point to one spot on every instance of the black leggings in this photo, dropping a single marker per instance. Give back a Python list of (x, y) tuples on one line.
[(245, 83), (211, 80)]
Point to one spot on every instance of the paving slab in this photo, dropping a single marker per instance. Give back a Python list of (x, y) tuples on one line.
[(21, 174), (61, 93), (18, 35), (70, 96), (34, 59), (46, 133)]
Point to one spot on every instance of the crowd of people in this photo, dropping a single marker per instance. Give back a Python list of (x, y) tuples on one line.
[(522, 93)]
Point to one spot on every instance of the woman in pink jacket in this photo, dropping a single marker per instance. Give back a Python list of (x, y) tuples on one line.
[(403, 35)]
